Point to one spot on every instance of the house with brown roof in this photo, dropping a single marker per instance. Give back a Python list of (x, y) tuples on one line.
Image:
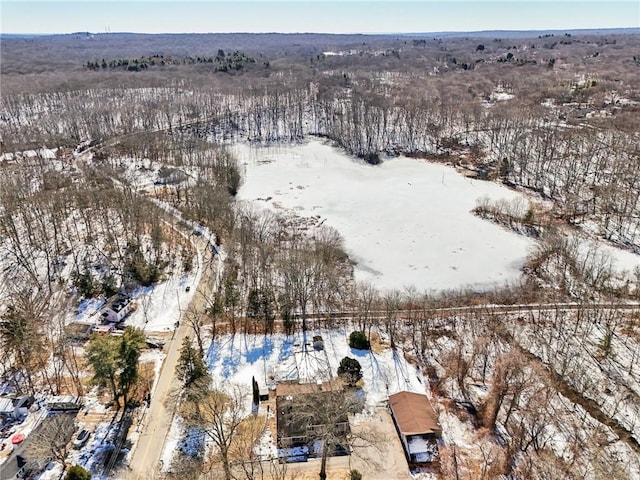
[(417, 426), (295, 435)]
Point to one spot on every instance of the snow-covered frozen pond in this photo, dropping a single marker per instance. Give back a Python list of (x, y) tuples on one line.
[(405, 222)]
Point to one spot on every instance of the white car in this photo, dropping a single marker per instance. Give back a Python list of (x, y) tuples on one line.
[(81, 439)]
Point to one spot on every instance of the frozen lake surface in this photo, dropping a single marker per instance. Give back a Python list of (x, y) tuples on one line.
[(405, 222)]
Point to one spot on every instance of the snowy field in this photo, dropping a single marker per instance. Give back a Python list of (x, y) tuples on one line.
[(405, 222), (237, 358), (159, 306)]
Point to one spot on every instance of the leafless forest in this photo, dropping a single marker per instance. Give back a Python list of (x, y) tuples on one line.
[(544, 371)]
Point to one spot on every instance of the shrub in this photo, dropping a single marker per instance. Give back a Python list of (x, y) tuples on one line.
[(86, 284), (350, 370), (77, 473), (355, 475), (372, 158), (109, 285), (359, 341)]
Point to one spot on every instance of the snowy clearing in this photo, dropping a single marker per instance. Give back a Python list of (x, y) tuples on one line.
[(405, 222), (159, 306), (271, 358)]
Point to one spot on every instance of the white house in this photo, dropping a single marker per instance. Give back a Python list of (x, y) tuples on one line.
[(116, 309)]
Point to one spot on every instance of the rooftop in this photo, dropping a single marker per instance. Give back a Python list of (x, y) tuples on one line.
[(295, 388), (293, 430), (414, 414), (117, 303)]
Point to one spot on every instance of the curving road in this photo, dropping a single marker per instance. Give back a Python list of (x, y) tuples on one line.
[(158, 417)]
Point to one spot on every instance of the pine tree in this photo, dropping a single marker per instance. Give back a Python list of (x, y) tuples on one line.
[(191, 367), (131, 345), (351, 370), (101, 354), (115, 360)]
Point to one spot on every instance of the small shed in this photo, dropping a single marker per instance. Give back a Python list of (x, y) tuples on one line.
[(103, 329), (263, 393), (64, 403), (417, 425), (78, 331)]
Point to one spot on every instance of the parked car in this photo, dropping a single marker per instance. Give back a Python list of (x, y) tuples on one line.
[(81, 439)]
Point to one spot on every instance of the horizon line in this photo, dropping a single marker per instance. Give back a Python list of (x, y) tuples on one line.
[(440, 32)]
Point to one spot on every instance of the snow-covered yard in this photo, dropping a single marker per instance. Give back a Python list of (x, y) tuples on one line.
[(405, 222), (237, 358), (159, 306)]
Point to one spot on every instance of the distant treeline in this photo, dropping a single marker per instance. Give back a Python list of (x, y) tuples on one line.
[(223, 62)]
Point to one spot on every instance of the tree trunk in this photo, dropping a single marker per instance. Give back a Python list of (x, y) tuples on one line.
[(225, 464), (304, 317), (323, 463)]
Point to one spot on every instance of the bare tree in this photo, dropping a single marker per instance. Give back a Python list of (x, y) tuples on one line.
[(509, 380), (21, 336), (367, 298), (300, 270), (325, 416), (218, 413), (243, 449), (52, 439)]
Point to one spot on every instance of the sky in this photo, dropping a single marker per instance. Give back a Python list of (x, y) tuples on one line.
[(325, 16)]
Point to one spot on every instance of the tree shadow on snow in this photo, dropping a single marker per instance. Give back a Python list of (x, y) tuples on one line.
[(402, 373), (260, 350), (286, 349), (224, 354), (231, 360)]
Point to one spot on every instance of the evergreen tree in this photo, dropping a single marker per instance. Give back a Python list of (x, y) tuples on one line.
[(115, 360), (86, 283), (351, 370), (109, 286), (77, 473), (131, 345), (359, 341), (191, 367), (101, 353), (256, 391)]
